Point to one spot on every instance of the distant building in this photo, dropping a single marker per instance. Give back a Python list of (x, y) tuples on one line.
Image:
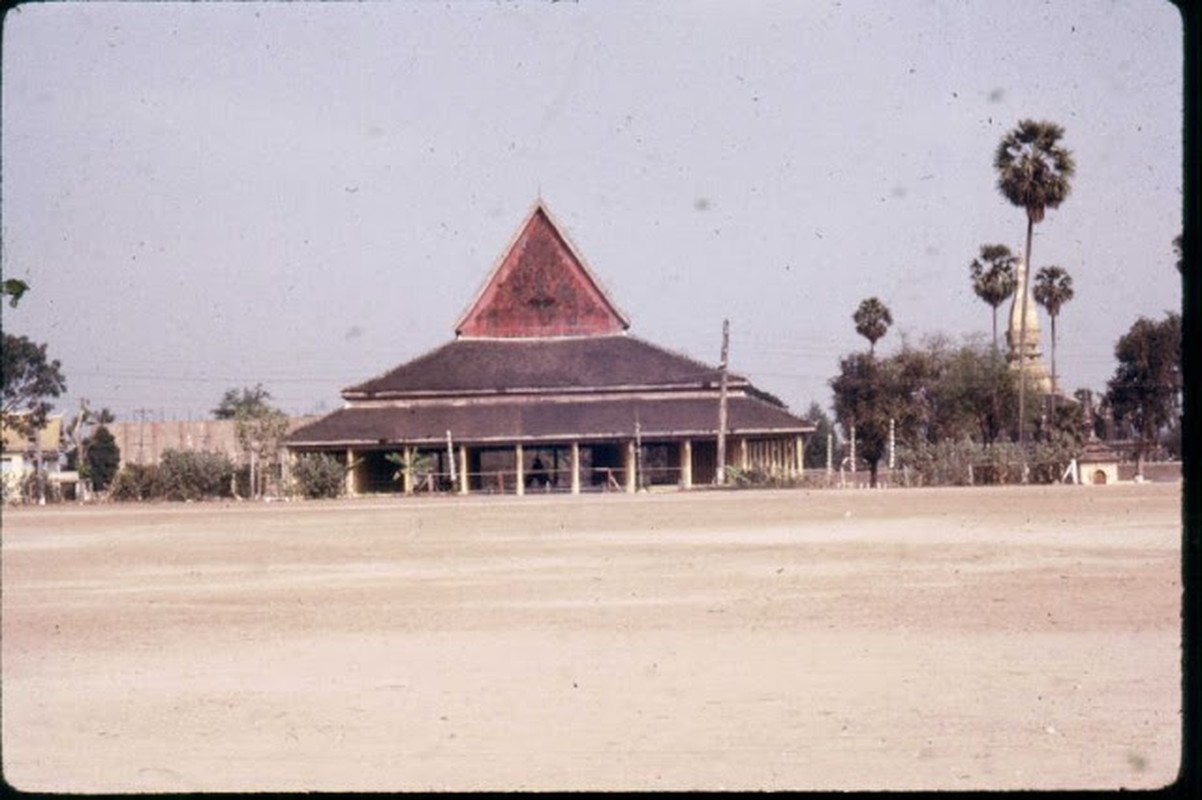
[(21, 454), (543, 389), (144, 441)]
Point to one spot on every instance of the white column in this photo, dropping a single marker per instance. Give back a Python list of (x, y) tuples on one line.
[(686, 464), (631, 478), (520, 468), (407, 470), (352, 487), (799, 456), (463, 469), (575, 467)]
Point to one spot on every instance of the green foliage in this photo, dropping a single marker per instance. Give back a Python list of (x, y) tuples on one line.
[(245, 401), (1034, 171), (261, 431), (814, 453), (29, 380), (966, 463), (867, 397), (933, 393), (14, 289), (137, 482), (994, 277), (103, 458), (1145, 390), (318, 475), (194, 475), (421, 466), (872, 319)]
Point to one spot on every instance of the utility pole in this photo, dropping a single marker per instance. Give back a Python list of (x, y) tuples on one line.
[(720, 478), (638, 452), (141, 412)]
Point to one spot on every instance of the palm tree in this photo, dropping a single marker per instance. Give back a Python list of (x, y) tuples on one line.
[(1053, 288), (995, 283), (1034, 173), (872, 320)]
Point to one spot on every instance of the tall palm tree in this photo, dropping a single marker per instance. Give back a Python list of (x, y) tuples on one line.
[(1053, 288), (1034, 173), (996, 282), (872, 320)]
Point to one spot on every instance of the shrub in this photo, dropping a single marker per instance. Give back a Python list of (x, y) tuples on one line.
[(192, 475), (964, 463), (317, 475), (136, 482)]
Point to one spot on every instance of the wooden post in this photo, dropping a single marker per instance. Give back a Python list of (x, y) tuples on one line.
[(720, 477), (686, 464), (520, 467), (575, 467)]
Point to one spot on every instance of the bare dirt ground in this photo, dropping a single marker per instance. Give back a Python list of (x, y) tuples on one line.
[(905, 639)]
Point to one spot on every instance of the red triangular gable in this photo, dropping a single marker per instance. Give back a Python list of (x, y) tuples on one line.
[(541, 288)]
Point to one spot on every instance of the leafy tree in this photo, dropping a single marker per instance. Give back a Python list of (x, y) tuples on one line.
[(973, 395), (103, 458), (14, 289), (1035, 174), (247, 401), (872, 320), (865, 397), (814, 451), (29, 381), (1144, 392), (994, 278), (1053, 288), (260, 428), (261, 432)]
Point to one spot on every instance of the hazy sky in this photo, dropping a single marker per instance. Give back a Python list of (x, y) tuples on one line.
[(211, 195)]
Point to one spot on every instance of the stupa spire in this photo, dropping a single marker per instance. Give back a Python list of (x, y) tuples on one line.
[(1027, 356)]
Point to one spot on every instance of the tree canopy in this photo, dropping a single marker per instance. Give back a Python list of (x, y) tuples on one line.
[(1034, 170), (872, 320), (994, 277), (30, 380), (246, 401), (1144, 393)]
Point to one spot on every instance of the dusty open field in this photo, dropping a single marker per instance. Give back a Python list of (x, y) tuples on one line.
[(922, 639)]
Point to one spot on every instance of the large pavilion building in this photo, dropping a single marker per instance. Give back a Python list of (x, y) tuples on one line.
[(543, 389)]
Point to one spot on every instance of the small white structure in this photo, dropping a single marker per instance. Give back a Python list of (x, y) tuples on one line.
[(1098, 465)]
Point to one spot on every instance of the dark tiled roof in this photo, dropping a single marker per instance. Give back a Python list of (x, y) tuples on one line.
[(513, 365), (546, 420)]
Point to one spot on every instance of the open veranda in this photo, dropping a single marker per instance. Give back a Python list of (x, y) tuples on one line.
[(924, 639)]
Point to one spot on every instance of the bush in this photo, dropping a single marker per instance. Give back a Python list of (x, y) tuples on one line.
[(137, 482), (191, 475), (318, 475), (965, 463)]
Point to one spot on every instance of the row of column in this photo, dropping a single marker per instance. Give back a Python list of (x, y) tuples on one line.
[(772, 455)]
